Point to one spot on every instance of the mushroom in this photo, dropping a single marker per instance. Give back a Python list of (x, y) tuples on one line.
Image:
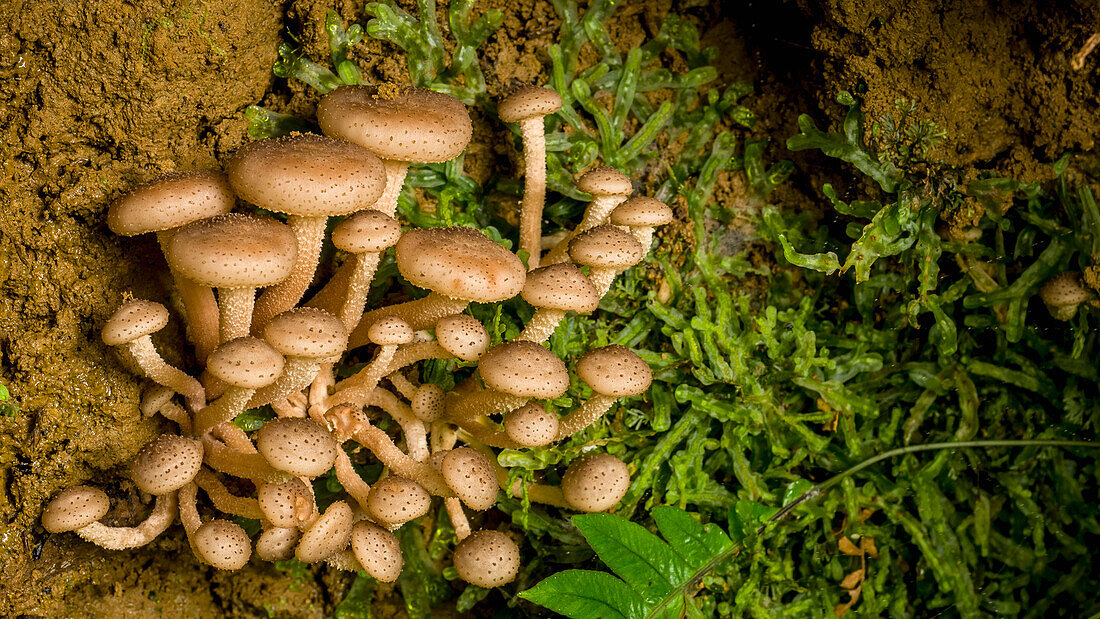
[(395, 500), (236, 254), (608, 251), (298, 446), (531, 426), (427, 402), (310, 178), (222, 544), (308, 337), (388, 333), (612, 372), (277, 543), (245, 364), (595, 482), (328, 535), (487, 559), (514, 372), (164, 204), (75, 508), (166, 464), (223, 500), (287, 505), (528, 106), (470, 475), (365, 234), (130, 328), (413, 125), (79, 508), (641, 214), (377, 550), (158, 399), (555, 290), (1062, 294), (609, 188)]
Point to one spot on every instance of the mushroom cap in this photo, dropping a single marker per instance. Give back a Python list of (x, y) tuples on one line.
[(528, 102), (531, 426), (603, 181), (277, 543), (463, 336), (285, 504), (595, 482), (606, 247), (562, 287), (461, 263), (132, 320), (74, 508), (524, 369), (171, 200), (1064, 289), (397, 500), (427, 402), (328, 536), (307, 175), (614, 371), (222, 544), (414, 124), (641, 211), (390, 331), (377, 550), (246, 362), (234, 251), (166, 463), (367, 231), (298, 446), (471, 476), (487, 559), (307, 332)]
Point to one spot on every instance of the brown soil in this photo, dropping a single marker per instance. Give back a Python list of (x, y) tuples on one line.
[(98, 95)]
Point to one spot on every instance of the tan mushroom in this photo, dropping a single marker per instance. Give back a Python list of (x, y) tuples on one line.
[(514, 372), (1063, 293), (612, 372), (609, 189), (608, 251), (287, 504), (277, 543), (395, 500), (595, 482), (75, 508), (166, 464), (470, 475), (487, 559), (298, 446), (556, 290), (366, 235), (328, 535), (531, 426), (308, 338), (377, 550), (222, 544), (427, 403), (245, 364), (641, 214)]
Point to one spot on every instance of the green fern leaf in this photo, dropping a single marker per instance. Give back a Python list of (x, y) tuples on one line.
[(585, 593)]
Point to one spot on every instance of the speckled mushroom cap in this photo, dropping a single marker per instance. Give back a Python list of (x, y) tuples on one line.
[(328, 536), (1064, 289), (284, 503), (531, 426), (524, 369), (487, 559), (234, 251), (427, 402), (528, 102), (277, 543), (463, 336), (377, 550), (307, 174), (414, 124), (461, 263), (397, 500), (605, 181), (367, 231), (606, 247), (614, 371), (169, 201), (307, 332), (297, 446), (562, 287), (166, 463), (223, 544), (74, 508), (641, 211), (246, 362), (595, 482), (132, 320), (471, 476), (390, 331)]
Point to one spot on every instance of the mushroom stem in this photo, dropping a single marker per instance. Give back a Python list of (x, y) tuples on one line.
[(602, 279), (596, 214), (121, 538), (592, 409), (200, 304), (220, 457), (542, 325), (404, 356), (310, 234), (225, 501), (355, 425), (287, 408), (420, 314), (188, 509), (480, 431), (366, 379), (297, 374), (487, 402), (318, 393), (226, 408), (143, 353), (355, 297), (235, 305), (458, 517), (351, 481), (173, 412), (403, 385), (331, 296), (395, 180), (534, 188), (416, 437)]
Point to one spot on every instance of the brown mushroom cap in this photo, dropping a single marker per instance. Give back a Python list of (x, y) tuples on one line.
[(614, 371), (528, 102), (427, 402), (297, 446), (531, 426), (277, 543), (487, 559), (307, 332), (595, 483), (461, 263), (397, 500), (390, 331), (463, 336), (562, 287), (524, 369), (471, 476), (328, 536), (169, 201), (246, 362), (605, 181), (1064, 289), (377, 550), (223, 544), (166, 463), (74, 508), (606, 247), (285, 504), (414, 125), (307, 174), (641, 211), (367, 231), (132, 320), (234, 251)]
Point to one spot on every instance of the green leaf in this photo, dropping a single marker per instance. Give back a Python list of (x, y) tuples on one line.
[(584, 594), (692, 541), (650, 566)]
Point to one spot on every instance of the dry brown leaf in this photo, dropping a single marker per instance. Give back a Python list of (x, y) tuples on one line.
[(867, 545), (848, 548), (842, 609), (853, 580)]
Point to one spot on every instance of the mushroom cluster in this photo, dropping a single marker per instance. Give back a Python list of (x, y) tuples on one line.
[(242, 279)]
